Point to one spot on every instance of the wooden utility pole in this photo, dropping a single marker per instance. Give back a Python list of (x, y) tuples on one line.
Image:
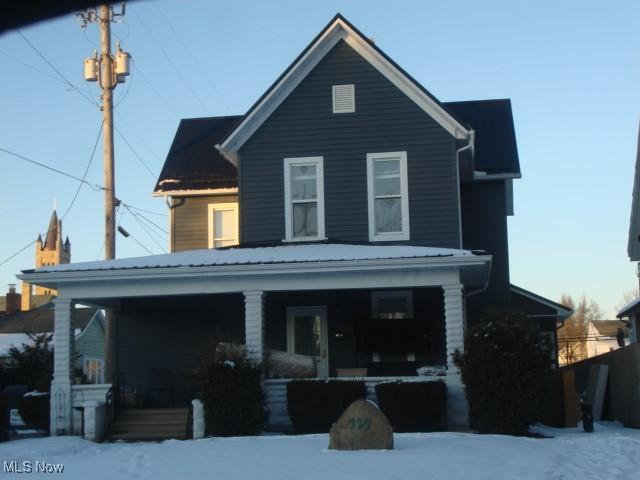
[(107, 84), (108, 71)]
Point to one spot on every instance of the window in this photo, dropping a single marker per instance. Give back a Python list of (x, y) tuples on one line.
[(223, 224), (344, 98), (392, 304), (304, 198), (388, 196), (94, 370)]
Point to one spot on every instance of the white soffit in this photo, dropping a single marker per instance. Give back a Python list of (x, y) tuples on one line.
[(339, 30)]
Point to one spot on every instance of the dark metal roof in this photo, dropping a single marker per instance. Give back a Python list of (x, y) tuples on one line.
[(41, 320), (52, 233), (496, 150), (193, 163)]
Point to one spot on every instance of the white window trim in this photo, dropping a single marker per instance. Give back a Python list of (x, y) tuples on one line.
[(376, 296), (288, 217), (404, 198), (211, 222), (98, 361), (333, 98)]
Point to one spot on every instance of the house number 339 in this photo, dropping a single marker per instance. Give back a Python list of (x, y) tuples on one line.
[(359, 424)]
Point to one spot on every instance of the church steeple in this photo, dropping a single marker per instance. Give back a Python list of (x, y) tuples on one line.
[(51, 237), (52, 251)]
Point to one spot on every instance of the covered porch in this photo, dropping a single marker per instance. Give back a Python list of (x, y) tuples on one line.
[(339, 304)]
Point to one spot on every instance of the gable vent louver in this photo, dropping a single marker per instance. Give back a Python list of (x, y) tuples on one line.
[(344, 99)]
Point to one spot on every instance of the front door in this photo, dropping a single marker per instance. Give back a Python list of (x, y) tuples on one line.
[(307, 335)]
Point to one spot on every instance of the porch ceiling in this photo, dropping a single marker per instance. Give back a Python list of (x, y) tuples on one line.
[(287, 267)]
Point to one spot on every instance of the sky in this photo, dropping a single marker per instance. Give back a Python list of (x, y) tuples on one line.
[(570, 68)]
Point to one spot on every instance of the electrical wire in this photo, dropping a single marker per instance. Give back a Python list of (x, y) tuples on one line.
[(53, 67), (155, 90), (86, 171), (193, 57), (95, 187), (36, 69), (154, 175), (169, 60)]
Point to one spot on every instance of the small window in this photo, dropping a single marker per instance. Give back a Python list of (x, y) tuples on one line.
[(392, 304), (94, 370), (304, 198), (388, 196), (223, 224), (344, 99)]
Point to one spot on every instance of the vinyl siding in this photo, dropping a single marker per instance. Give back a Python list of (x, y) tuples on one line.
[(484, 227), (189, 229), (91, 343), (170, 333), (385, 120)]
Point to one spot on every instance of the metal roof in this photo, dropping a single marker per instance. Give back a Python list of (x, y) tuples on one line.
[(193, 163)]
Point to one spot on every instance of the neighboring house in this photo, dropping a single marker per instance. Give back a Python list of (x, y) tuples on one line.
[(348, 216), (88, 332), (604, 336)]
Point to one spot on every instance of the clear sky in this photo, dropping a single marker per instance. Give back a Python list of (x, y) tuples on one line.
[(571, 69)]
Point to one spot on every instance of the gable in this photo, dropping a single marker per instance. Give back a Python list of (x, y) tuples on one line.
[(337, 30)]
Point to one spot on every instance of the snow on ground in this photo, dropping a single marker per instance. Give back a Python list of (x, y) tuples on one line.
[(611, 452)]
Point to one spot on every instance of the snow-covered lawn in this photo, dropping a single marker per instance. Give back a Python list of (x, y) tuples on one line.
[(611, 452)]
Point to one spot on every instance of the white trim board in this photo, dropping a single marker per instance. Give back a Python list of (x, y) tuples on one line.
[(318, 162), (211, 209), (338, 30)]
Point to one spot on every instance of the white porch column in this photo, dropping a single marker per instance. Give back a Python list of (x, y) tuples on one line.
[(457, 406), (61, 396), (254, 324)]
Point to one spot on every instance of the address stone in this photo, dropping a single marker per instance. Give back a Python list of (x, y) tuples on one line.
[(362, 426)]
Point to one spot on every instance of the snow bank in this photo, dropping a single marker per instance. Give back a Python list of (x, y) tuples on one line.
[(609, 453)]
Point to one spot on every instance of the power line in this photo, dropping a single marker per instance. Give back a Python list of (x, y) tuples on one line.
[(53, 67), (136, 153), (28, 65), (135, 217), (173, 65), (193, 57), (95, 187), (86, 171)]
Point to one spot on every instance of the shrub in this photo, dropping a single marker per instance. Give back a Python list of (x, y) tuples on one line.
[(231, 391), (34, 410), (31, 364), (506, 369), (314, 405), (414, 406)]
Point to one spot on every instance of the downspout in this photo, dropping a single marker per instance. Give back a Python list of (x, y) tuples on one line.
[(469, 146)]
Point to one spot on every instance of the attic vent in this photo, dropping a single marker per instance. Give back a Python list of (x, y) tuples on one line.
[(344, 99)]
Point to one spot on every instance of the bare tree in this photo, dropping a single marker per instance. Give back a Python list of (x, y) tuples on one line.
[(572, 337)]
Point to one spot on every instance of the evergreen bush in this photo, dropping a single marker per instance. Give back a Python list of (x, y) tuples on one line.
[(506, 369), (231, 391), (314, 405), (414, 406)]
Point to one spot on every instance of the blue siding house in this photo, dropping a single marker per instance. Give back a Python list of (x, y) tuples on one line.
[(349, 217)]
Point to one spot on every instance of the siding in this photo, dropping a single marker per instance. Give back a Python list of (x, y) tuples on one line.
[(385, 120), (189, 229), (170, 333), (91, 343), (484, 227)]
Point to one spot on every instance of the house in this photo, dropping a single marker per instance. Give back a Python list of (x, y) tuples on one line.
[(88, 334), (604, 336), (348, 216)]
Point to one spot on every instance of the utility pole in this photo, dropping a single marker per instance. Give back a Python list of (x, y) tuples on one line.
[(108, 71)]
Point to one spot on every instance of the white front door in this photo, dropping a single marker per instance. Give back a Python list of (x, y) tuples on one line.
[(307, 335)]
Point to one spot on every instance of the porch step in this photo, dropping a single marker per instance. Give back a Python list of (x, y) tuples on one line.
[(149, 424)]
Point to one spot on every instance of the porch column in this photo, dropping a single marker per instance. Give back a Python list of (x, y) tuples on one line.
[(457, 406), (254, 324), (61, 397)]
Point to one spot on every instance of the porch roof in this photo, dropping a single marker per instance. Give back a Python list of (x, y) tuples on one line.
[(295, 267), (261, 255)]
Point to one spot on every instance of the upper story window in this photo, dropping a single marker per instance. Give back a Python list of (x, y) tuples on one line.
[(223, 224), (388, 196), (344, 98), (304, 198)]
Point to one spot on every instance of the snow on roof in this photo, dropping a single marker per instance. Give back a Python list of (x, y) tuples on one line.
[(629, 308), (261, 255)]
